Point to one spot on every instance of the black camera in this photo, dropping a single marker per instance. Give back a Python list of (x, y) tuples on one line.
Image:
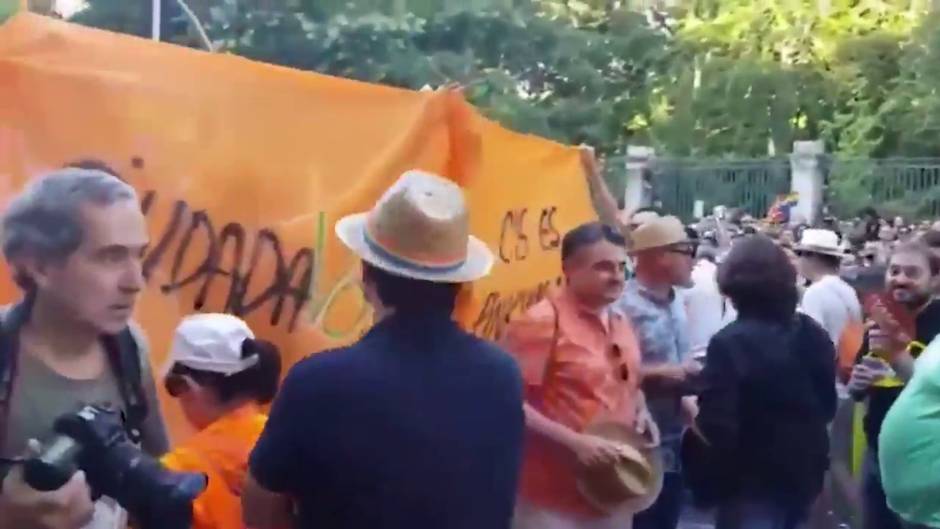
[(95, 441)]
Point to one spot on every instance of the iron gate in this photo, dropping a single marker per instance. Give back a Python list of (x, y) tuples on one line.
[(909, 187), (752, 185)]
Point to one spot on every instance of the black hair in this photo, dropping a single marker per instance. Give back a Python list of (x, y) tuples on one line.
[(259, 382), (589, 234), (868, 211), (759, 279), (408, 295), (931, 238)]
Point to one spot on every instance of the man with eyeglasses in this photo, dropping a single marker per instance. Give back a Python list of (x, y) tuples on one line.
[(664, 257)]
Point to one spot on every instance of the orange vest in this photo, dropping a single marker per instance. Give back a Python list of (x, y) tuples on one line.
[(220, 451)]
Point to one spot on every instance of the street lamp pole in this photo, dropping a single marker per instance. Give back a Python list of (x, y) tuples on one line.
[(155, 16)]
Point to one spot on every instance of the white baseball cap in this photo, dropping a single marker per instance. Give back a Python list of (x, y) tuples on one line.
[(213, 343)]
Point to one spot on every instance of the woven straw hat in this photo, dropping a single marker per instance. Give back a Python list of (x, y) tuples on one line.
[(630, 485), (659, 232), (419, 229), (825, 242)]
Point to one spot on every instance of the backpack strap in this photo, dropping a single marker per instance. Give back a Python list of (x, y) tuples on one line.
[(124, 359)]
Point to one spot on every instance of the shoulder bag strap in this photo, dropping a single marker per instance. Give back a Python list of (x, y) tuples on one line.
[(556, 335)]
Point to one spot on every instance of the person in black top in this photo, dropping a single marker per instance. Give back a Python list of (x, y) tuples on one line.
[(910, 278), (760, 448), (418, 425), (871, 222)]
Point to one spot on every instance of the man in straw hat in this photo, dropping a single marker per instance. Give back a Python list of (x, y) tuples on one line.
[(418, 424), (664, 256), (829, 300), (584, 468)]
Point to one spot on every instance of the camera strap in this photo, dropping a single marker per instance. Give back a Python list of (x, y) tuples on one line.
[(124, 357), (10, 324), (123, 354)]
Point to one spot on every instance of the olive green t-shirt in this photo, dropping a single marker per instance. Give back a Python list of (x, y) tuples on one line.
[(41, 395)]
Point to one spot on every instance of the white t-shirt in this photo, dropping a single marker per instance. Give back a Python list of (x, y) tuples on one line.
[(108, 515), (708, 311), (833, 304)]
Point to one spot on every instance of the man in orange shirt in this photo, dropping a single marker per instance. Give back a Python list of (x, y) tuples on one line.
[(581, 366)]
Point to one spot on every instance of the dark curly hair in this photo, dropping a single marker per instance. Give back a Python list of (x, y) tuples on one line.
[(759, 279)]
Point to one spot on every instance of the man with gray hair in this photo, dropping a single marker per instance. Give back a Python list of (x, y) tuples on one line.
[(74, 241)]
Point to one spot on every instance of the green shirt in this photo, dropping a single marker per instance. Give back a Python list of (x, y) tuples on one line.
[(909, 445)]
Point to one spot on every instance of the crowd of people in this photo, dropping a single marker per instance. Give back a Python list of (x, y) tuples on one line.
[(674, 363)]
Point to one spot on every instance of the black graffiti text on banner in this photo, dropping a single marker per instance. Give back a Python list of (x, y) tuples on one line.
[(253, 266)]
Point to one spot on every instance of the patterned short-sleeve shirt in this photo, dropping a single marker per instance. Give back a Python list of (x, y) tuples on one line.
[(661, 327)]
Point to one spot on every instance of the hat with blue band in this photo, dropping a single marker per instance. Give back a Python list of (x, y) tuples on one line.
[(419, 229)]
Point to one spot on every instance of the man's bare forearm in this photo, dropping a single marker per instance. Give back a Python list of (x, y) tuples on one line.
[(603, 199), (263, 509), (552, 430), (663, 373)]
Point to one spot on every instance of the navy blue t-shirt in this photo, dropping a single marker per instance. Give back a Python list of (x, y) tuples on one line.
[(418, 425)]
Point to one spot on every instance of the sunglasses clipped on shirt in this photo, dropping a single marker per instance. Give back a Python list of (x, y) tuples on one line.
[(622, 371)]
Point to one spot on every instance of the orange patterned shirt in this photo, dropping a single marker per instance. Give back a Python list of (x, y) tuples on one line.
[(579, 368)]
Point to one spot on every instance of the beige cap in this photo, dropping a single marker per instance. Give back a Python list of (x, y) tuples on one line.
[(659, 233)]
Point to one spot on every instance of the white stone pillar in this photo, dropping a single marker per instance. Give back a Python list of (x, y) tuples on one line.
[(639, 160), (806, 180)]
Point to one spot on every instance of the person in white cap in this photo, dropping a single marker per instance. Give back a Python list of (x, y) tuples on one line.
[(829, 300), (417, 425), (221, 375)]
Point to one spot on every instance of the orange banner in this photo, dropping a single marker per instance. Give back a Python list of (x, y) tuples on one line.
[(243, 168)]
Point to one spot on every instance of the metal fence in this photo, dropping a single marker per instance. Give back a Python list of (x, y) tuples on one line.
[(909, 187), (752, 185)]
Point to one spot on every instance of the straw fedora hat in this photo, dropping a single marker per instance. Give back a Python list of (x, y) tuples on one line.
[(630, 485), (825, 242), (419, 229), (659, 232)]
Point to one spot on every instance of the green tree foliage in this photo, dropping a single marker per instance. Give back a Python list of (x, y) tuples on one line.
[(770, 72), (534, 72), (713, 77)]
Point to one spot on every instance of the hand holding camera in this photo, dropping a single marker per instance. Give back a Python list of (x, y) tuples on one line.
[(50, 490), (22, 507)]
